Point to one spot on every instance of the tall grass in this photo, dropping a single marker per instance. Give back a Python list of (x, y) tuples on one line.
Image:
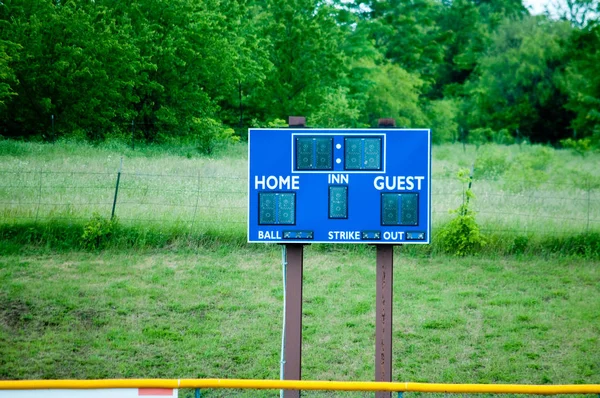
[(528, 193)]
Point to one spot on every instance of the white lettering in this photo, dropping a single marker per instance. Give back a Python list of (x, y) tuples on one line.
[(390, 186), (344, 235), (258, 183), (296, 182), (276, 182), (401, 183), (419, 179), (397, 183), (393, 235), (272, 182), (284, 182), (273, 235), (337, 178)]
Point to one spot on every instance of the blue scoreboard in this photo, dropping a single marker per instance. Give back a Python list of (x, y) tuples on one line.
[(339, 186)]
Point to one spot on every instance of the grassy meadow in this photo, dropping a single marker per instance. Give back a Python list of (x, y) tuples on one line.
[(217, 312), (178, 294), (527, 191)]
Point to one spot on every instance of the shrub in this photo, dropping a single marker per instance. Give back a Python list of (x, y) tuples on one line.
[(480, 136), (504, 137), (97, 231), (461, 236), (442, 120), (581, 147)]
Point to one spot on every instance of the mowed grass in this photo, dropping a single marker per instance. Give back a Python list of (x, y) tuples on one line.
[(217, 313)]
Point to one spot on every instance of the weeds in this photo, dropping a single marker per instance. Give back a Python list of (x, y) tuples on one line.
[(97, 232), (461, 236)]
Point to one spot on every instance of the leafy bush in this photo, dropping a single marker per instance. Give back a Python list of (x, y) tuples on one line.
[(442, 119), (210, 133), (336, 111), (461, 236), (276, 123), (480, 136), (97, 231), (504, 137), (581, 147)]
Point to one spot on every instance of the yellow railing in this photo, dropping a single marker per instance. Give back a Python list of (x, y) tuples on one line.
[(302, 385)]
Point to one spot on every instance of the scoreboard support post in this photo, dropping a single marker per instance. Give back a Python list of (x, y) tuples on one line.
[(383, 306), (383, 311), (293, 317), (292, 369)]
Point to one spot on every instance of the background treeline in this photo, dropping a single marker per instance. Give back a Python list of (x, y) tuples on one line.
[(202, 71)]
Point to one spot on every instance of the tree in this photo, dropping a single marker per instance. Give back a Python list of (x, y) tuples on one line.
[(306, 57), (441, 118), (407, 34), (251, 62), (577, 12), (582, 82), (393, 93), (7, 76), (77, 66), (517, 86)]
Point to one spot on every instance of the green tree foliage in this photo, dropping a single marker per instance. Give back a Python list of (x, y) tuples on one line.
[(76, 65), (306, 57), (190, 70), (250, 65), (578, 12), (394, 93), (517, 87), (7, 76), (188, 63), (408, 35), (442, 118), (582, 82)]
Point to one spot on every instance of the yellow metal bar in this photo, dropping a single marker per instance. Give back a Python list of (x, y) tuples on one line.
[(302, 385)]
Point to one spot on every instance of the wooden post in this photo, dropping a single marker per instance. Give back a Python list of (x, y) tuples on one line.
[(293, 317), (383, 310), (383, 306), (293, 306)]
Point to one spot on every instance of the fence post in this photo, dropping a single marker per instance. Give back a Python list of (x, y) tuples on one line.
[(37, 211), (195, 207), (112, 214), (132, 134), (589, 204)]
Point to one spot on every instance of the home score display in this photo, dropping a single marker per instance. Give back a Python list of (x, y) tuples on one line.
[(339, 186)]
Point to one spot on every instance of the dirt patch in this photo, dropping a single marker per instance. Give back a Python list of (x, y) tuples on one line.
[(13, 312)]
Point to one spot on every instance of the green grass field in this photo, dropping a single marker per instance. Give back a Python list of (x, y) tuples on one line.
[(178, 294), (217, 313)]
